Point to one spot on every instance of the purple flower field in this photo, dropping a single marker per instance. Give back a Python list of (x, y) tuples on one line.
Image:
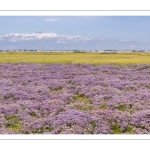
[(74, 99)]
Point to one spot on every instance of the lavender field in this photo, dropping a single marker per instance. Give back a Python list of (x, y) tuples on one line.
[(74, 99)]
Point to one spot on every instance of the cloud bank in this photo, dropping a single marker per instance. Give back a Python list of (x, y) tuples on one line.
[(50, 41)]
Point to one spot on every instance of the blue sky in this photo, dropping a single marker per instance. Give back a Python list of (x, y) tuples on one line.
[(75, 32)]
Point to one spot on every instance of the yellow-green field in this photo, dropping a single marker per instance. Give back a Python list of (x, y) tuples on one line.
[(76, 58)]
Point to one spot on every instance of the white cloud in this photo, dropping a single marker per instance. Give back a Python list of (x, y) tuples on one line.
[(29, 36), (15, 37), (54, 40), (24, 20), (51, 20)]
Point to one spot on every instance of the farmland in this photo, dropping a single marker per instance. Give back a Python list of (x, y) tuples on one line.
[(73, 98), (125, 58)]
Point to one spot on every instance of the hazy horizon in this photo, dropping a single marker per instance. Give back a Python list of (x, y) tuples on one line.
[(75, 32)]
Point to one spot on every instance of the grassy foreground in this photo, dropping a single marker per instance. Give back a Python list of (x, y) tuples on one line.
[(76, 58)]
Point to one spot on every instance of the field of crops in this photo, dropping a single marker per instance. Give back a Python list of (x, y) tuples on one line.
[(74, 98), (76, 58)]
